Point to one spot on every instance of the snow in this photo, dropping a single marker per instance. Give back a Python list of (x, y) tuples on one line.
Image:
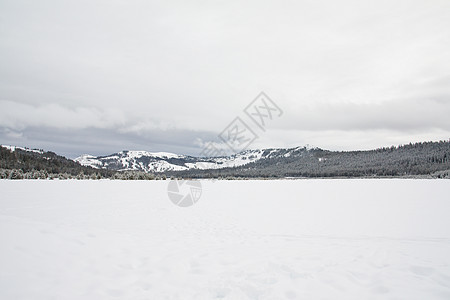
[(286, 239), (13, 148), (235, 160), (138, 154), (240, 159), (165, 155), (88, 160), (162, 165)]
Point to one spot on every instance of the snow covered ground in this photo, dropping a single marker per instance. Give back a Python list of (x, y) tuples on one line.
[(287, 239)]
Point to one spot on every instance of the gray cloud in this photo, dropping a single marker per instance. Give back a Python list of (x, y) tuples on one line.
[(400, 115), (74, 142)]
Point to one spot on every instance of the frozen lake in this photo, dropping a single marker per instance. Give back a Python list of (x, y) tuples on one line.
[(287, 239)]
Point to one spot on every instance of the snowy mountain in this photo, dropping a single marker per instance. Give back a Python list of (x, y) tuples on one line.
[(164, 161)]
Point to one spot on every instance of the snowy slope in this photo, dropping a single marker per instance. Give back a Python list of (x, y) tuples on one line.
[(13, 148), (163, 161), (133, 160), (287, 239)]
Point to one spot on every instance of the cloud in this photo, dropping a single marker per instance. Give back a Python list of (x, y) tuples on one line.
[(136, 68), (98, 141), (21, 115), (407, 115)]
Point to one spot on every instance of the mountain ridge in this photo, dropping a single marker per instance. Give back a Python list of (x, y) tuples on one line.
[(132, 160)]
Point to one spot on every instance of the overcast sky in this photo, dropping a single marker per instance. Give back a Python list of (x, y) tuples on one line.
[(104, 76)]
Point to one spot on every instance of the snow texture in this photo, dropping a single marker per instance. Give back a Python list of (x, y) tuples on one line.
[(286, 239)]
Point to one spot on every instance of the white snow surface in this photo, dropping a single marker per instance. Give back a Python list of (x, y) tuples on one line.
[(88, 160), (286, 239), (137, 154)]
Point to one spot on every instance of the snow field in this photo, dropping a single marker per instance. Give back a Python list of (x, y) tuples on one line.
[(286, 239)]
